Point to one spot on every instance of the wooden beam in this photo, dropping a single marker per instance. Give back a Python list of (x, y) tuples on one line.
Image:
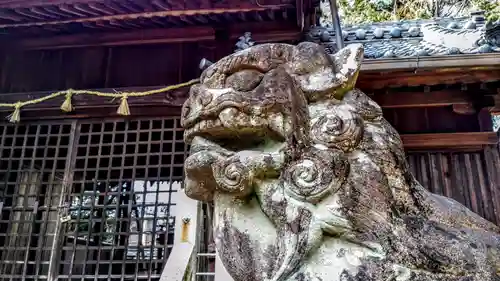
[(174, 98), (460, 100), (485, 120), (32, 3), (147, 36), (277, 36), (157, 110), (458, 141), (147, 15), (373, 80), (266, 32), (464, 109), (261, 32), (422, 99), (299, 7), (496, 108)]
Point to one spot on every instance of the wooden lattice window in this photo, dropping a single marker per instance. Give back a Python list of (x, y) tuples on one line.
[(113, 220)]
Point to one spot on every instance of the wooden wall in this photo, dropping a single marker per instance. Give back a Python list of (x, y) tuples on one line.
[(102, 67), (433, 120), (471, 178)]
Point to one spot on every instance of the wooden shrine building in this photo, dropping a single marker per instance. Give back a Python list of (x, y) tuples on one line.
[(94, 195)]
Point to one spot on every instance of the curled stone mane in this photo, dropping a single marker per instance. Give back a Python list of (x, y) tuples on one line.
[(310, 182)]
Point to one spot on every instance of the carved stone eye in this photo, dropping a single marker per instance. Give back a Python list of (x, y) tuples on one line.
[(244, 80), (205, 98), (363, 105)]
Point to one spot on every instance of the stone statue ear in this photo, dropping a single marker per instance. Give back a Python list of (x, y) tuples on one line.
[(347, 63)]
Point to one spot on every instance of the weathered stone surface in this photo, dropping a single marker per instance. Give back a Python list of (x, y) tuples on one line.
[(309, 181)]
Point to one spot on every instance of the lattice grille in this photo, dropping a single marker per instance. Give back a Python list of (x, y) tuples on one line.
[(114, 220), (205, 267), (120, 202), (32, 164)]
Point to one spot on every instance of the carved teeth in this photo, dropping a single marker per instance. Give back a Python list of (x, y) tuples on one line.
[(227, 116), (218, 122), (215, 123), (202, 126), (279, 124), (243, 119), (209, 124)]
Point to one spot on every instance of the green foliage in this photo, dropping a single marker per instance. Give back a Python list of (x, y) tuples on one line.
[(362, 11), (492, 8), (367, 11)]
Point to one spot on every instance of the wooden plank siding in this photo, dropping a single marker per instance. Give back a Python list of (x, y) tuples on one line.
[(100, 67), (471, 178)]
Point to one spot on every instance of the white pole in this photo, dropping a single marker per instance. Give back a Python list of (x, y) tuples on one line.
[(183, 250), (221, 273)]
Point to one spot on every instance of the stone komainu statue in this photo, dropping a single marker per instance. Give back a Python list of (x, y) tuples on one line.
[(310, 182)]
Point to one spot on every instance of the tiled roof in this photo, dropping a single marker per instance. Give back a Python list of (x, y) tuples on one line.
[(417, 38)]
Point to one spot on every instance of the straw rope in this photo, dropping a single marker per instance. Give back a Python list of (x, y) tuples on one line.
[(66, 106)]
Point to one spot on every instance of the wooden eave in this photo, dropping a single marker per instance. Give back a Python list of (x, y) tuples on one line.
[(372, 80), (43, 18), (470, 141), (463, 88), (262, 32)]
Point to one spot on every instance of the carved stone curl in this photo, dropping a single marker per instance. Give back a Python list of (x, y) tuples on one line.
[(233, 177), (339, 129), (310, 182), (315, 174)]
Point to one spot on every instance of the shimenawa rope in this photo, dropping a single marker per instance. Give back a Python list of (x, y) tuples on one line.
[(66, 106)]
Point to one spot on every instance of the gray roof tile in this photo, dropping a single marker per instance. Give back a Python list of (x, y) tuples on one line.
[(437, 37)]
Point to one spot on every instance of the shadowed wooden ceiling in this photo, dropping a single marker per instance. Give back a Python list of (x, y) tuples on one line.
[(43, 17)]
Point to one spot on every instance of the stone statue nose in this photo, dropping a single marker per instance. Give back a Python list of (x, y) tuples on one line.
[(196, 101)]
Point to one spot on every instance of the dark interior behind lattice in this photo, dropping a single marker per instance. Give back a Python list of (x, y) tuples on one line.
[(115, 214)]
